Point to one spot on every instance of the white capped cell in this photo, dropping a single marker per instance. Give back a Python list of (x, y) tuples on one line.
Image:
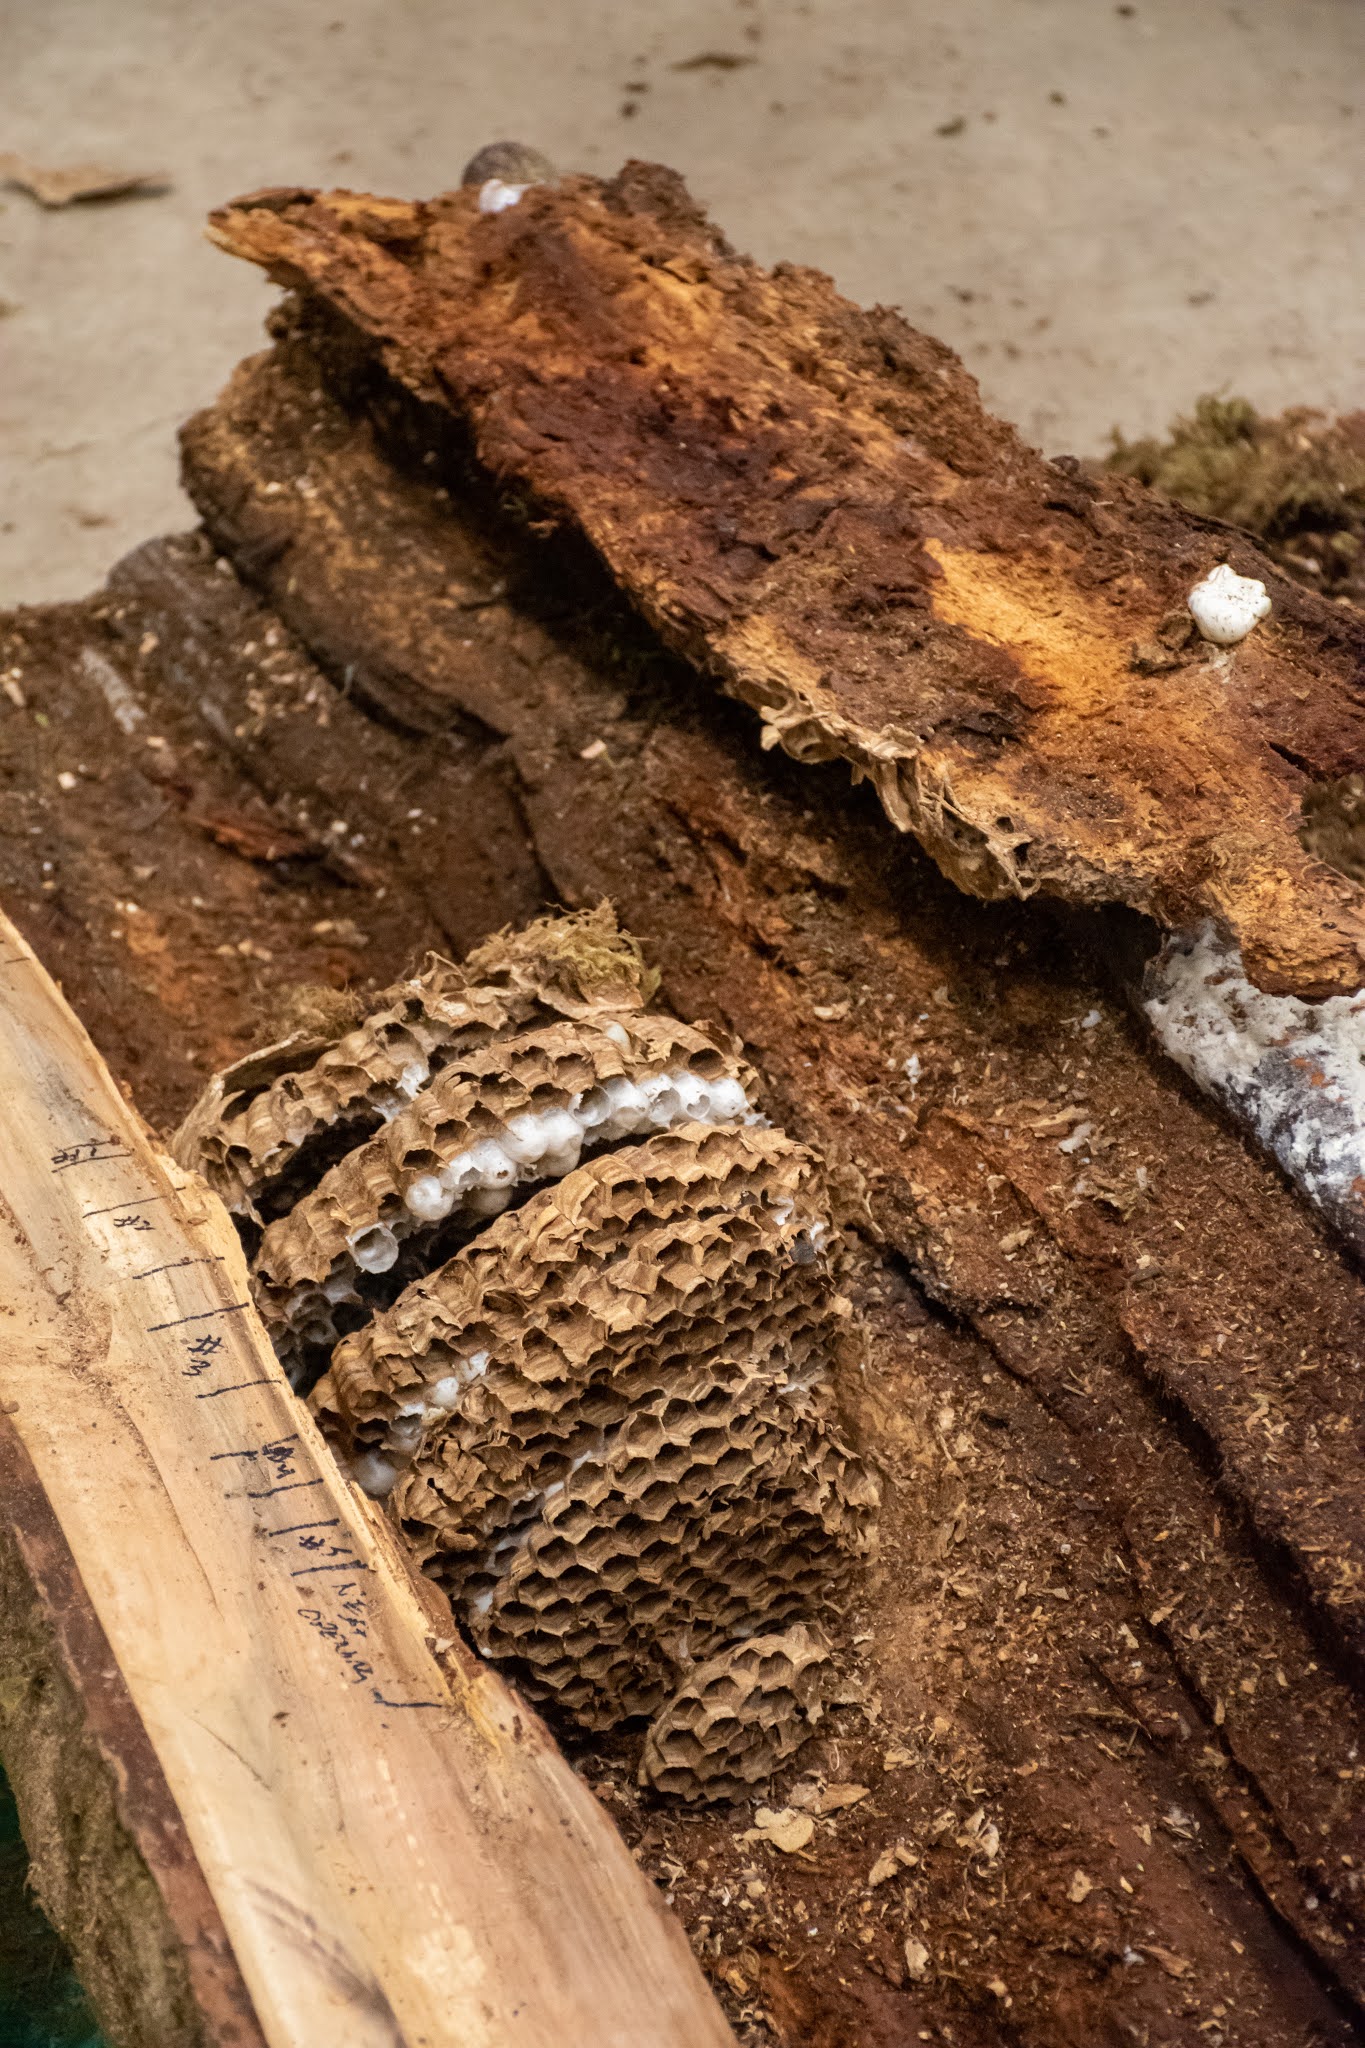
[(428, 1200), (1225, 606), (459, 1174), (562, 1131), (591, 1108), (694, 1097), (373, 1474), (627, 1110), (525, 1138), (728, 1100), (494, 1166)]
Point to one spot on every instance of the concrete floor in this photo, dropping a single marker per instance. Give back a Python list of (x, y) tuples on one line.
[(1107, 208)]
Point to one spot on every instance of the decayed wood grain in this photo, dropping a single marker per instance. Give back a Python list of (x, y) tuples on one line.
[(340, 1826), (810, 501), (773, 903)]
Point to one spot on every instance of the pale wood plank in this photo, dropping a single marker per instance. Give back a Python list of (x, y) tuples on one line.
[(396, 1849)]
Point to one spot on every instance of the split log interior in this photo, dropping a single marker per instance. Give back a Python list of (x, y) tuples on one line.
[(1113, 1666)]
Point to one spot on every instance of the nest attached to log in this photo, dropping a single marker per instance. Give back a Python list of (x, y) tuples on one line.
[(570, 1305)]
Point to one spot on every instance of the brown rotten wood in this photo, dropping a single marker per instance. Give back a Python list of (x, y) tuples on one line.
[(809, 501), (1121, 1620), (1186, 1359), (271, 1799)]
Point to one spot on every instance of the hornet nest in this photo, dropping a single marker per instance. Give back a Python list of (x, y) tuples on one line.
[(568, 1304)]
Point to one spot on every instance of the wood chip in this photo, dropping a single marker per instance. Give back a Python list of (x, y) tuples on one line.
[(811, 1796), (785, 1829), (916, 1959), (1080, 1888), (77, 181), (900, 1856)]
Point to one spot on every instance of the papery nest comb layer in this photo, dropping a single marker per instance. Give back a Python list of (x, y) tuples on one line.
[(606, 1417)]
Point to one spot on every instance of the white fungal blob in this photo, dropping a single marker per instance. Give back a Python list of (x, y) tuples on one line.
[(1226, 606), (496, 197), (1293, 1073)]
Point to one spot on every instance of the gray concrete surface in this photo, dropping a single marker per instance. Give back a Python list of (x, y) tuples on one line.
[(1107, 209)]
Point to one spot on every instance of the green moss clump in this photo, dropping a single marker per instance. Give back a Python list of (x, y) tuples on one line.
[(41, 2003), (582, 958), (1295, 481)]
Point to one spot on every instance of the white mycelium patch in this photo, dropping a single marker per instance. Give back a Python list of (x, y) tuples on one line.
[(1226, 606), (1291, 1072), (496, 197)]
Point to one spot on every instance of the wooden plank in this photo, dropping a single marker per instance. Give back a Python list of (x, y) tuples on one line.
[(810, 501), (355, 1831)]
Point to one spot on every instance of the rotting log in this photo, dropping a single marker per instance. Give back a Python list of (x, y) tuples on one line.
[(271, 1798), (1121, 1616), (809, 501), (776, 904)]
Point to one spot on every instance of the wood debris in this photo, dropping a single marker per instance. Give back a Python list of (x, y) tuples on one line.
[(53, 187), (809, 502)]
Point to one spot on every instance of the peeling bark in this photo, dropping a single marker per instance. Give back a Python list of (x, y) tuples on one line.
[(809, 502)]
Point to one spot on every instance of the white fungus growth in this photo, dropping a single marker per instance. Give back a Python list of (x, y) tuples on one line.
[(496, 197), (1291, 1072), (1226, 606)]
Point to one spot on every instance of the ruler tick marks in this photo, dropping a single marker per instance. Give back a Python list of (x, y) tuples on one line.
[(173, 1265), (133, 1202), (233, 1309)]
